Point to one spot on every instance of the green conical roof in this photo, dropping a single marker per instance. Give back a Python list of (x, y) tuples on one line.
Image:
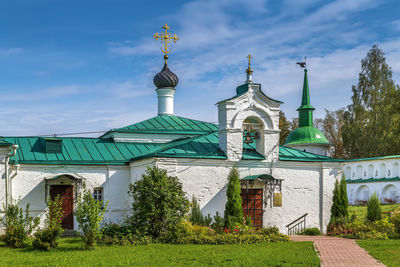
[(305, 110), (306, 133)]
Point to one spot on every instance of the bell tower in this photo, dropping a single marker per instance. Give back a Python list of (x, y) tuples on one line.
[(249, 120)]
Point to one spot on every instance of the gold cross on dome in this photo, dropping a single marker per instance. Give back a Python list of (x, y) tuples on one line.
[(249, 70), (249, 57), (166, 39)]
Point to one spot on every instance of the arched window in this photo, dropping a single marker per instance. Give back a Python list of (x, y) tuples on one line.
[(347, 172), (382, 171), (370, 171), (359, 172), (252, 132), (395, 171)]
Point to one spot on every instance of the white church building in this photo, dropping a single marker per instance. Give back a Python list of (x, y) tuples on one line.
[(280, 184)]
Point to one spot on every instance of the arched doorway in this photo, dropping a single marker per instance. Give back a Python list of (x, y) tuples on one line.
[(390, 194), (362, 195)]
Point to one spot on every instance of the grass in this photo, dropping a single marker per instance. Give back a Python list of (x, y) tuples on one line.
[(386, 251), (70, 253), (361, 211)]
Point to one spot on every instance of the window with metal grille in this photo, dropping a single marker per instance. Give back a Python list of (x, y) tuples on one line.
[(98, 194), (252, 205)]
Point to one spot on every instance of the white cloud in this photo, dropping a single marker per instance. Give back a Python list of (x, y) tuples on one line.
[(10, 51)]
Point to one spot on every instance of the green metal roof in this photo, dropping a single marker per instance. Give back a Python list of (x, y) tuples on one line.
[(373, 180), (376, 158), (104, 151), (241, 89), (259, 176), (169, 124), (3, 142), (78, 151), (306, 135), (291, 154)]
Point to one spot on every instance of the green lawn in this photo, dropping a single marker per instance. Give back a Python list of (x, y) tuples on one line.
[(361, 211), (387, 251), (70, 253)]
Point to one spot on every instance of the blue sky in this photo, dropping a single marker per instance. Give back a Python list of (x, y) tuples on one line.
[(78, 66)]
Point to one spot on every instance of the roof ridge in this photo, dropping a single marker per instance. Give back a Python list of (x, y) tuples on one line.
[(172, 144)]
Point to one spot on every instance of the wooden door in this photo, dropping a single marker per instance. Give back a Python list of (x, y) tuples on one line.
[(66, 192), (252, 205)]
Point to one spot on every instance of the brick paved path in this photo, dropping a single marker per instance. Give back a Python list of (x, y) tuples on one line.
[(335, 251)]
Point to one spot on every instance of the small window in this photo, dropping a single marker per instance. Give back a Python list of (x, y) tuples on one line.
[(98, 194)]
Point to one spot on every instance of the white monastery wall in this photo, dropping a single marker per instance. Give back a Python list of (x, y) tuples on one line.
[(372, 171)]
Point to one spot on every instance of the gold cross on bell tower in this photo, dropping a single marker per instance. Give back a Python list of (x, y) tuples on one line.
[(166, 39)]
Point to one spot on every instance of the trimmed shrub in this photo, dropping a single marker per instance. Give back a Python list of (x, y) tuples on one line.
[(159, 205), (374, 208), (46, 238), (17, 226), (233, 207), (311, 231), (89, 214)]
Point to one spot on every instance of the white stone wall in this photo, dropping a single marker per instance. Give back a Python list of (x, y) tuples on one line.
[(387, 191), (307, 187), (29, 186)]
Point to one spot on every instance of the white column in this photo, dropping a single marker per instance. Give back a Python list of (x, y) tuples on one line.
[(165, 101)]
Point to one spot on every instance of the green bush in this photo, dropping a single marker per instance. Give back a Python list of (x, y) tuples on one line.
[(195, 234), (17, 226), (159, 205), (46, 238), (196, 217), (219, 223), (89, 213), (395, 219), (311, 231), (233, 207), (374, 208)]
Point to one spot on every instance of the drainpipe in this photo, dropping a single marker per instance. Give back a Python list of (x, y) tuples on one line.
[(7, 180)]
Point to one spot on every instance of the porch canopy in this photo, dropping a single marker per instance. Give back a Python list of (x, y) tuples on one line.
[(258, 176)]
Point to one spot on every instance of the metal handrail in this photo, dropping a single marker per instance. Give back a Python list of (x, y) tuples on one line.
[(297, 219), (298, 227)]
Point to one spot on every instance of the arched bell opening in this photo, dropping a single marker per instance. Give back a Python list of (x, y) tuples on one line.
[(253, 134)]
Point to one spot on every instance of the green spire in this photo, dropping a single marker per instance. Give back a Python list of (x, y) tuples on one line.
[(305, 110)]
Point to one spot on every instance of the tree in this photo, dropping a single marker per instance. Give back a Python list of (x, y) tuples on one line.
[(371, 126), (284, 126), (332, 126), (339, 209), (89, 213), (196, 217), (46, 238), (233, 207), (344, 202), (159, 204), (373, 208)]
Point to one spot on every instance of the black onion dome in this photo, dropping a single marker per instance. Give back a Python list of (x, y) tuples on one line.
[(165, 78)]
